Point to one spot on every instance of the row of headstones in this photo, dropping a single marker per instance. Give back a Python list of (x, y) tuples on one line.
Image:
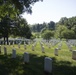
[(72, 42), (59, 48), (41, 43), (73, 53), (54, 42), (46, 43), (47, 60), (20, 44), (34, 45), (50, 43), (14, 42), (42, 48), (50, 40), (55, 50), (70, 46), (60, 45), (25, 47)]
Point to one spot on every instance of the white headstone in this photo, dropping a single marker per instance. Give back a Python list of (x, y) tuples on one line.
[(24, 43), (6, 43), (43, 49), (59, 47), (71, 48), (26, 57), (48, 65), (74, 54), (13, 53), (24, 46), (19, 45), (9, 42), (56, 51), (5, 51), (13, 43), (0, 49), (41, 43), (49, 45), (32, 47)]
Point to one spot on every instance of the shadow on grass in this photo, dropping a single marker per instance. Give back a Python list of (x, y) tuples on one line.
[(9, 66)]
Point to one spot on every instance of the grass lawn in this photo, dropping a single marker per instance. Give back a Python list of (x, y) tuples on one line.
[(63, 64)]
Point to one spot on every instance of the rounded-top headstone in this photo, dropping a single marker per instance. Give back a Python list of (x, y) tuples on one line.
[(74, 54), (19, 45), (13, 53), (43, 49), (5, 50), (26, 57), (56, 51), (48, 65), (32, 47), (24, 46)]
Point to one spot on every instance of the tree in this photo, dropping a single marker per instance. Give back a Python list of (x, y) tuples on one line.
[(51, 25), (63, 21), (5, 27), (68, 34), (43, 30), (68, 22), (20, 6), (48, 34), (74, 29), (13, 9), (59, 31), (21, 29)]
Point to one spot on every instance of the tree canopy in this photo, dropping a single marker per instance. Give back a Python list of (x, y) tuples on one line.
[(10, 22), (16, 6)]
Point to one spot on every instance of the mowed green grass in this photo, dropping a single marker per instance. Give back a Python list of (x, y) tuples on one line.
[(63, 64)]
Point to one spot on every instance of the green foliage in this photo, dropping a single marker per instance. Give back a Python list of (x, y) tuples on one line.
[(63, 21), (48, 34), (70, 28), (20, 6), (59, 28), (68, 22), (43, 30), (51, 25), (22, 29), (41, 27), (68, 34), (5, 26), (74, 28), (37, 27), (59, 31)]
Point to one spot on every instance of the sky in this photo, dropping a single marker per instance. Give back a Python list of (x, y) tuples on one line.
[(51, 10)]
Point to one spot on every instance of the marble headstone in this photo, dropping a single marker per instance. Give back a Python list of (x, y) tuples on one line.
[(74, 54), (5, 51), (48, 65), (13, 53), (26, 57)]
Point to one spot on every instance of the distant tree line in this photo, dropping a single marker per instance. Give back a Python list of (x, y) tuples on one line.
[(65, 28), (40, 27)]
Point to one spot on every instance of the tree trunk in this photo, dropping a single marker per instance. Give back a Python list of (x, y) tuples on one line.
[(4, 40), (7, 40)]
